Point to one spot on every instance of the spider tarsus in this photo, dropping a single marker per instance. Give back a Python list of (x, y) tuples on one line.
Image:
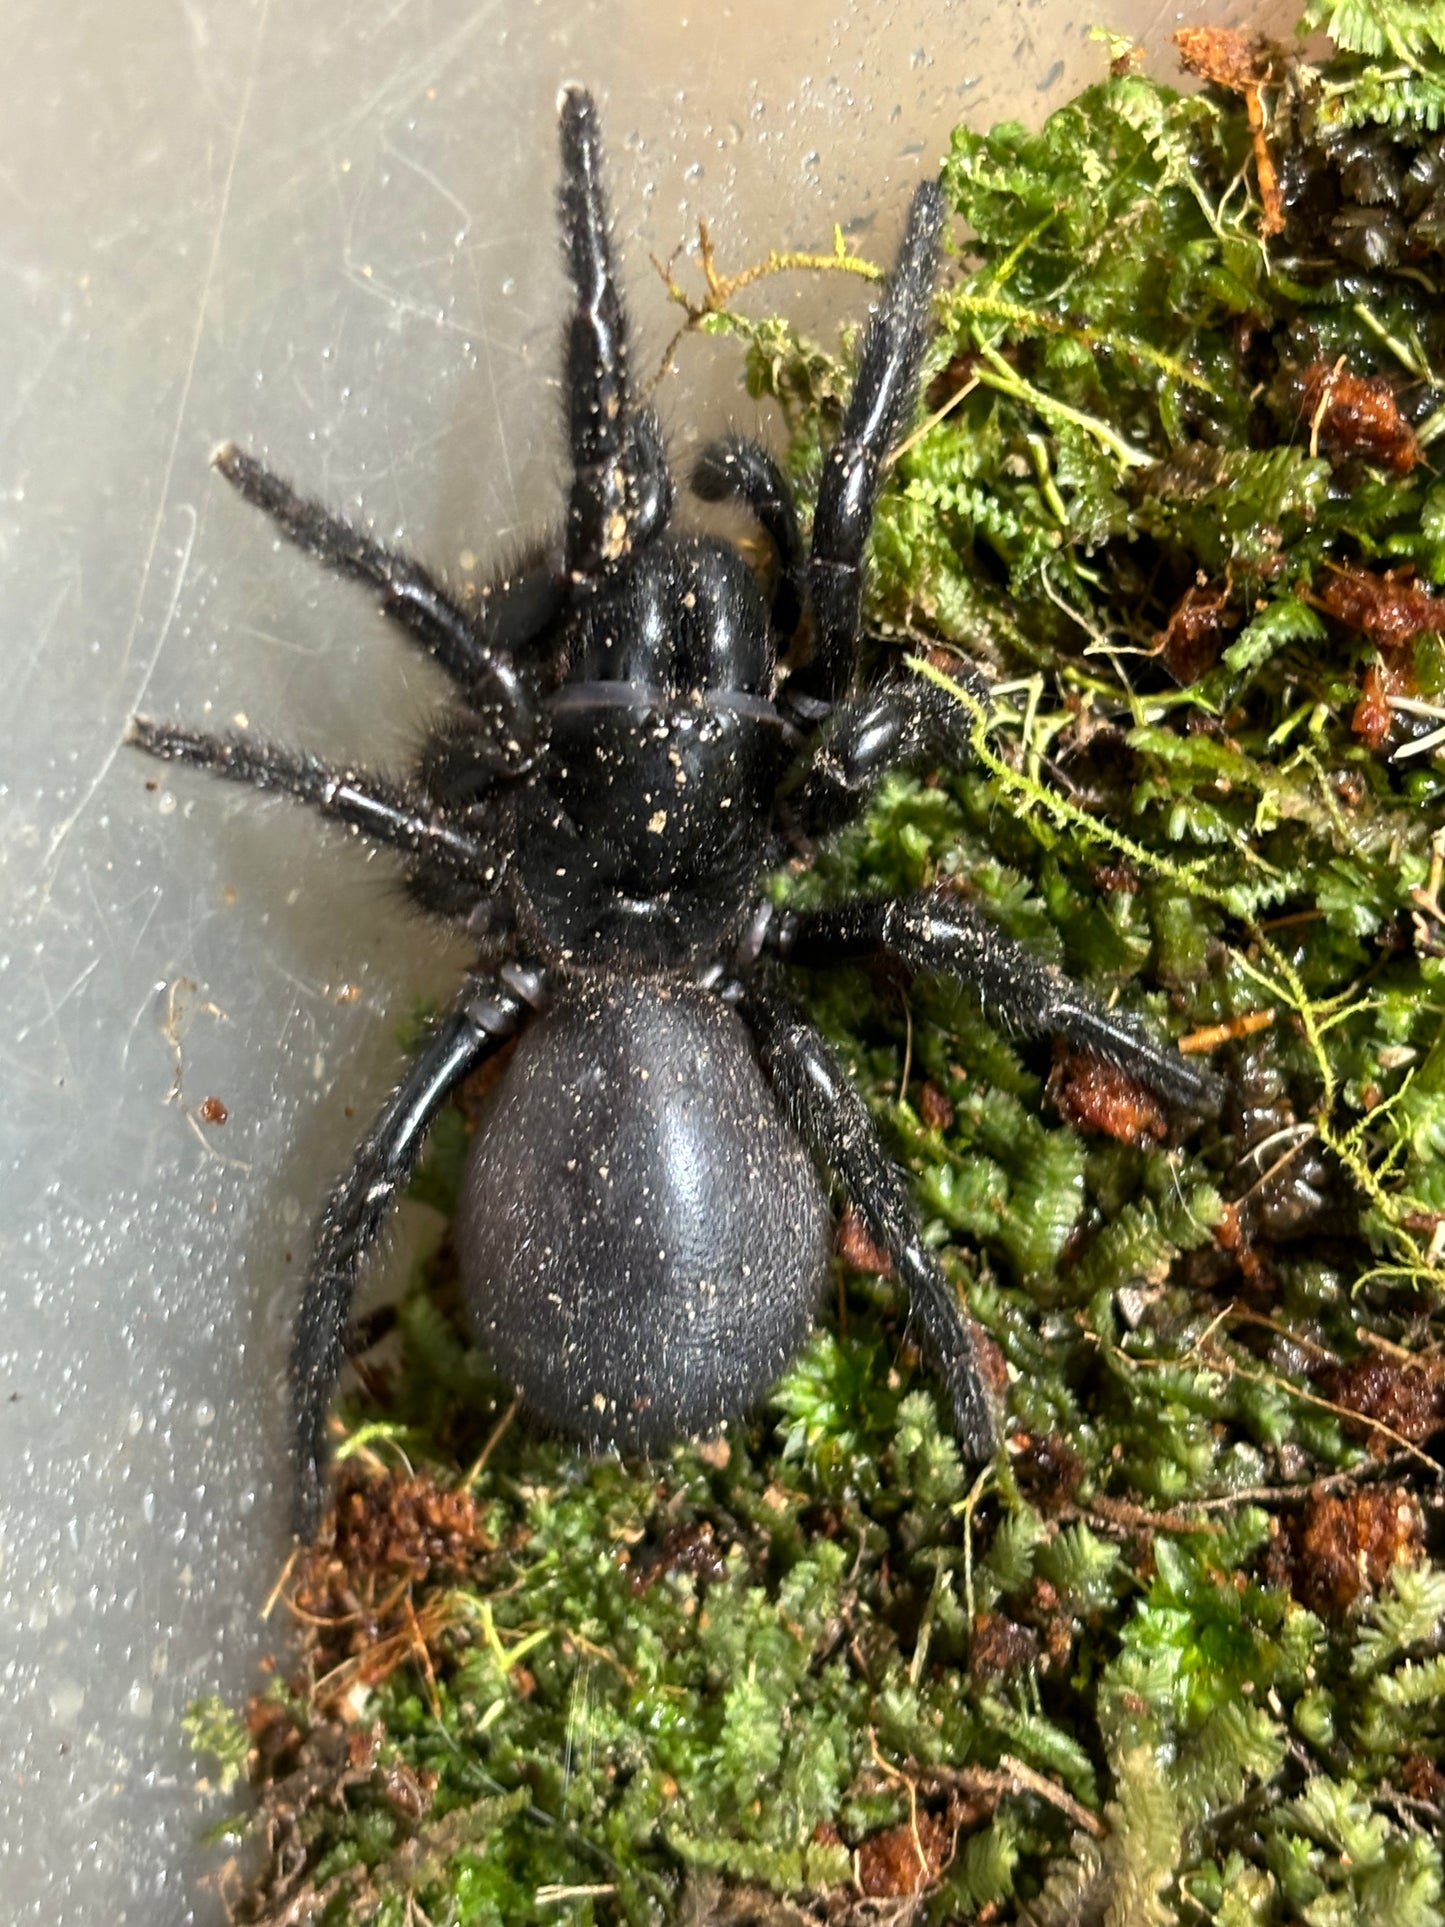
[(232, 462), (308, 524)]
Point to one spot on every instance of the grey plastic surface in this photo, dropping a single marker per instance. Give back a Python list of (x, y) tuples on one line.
[(324, 229)]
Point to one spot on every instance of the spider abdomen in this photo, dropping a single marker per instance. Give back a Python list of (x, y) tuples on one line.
[(643, 1236)]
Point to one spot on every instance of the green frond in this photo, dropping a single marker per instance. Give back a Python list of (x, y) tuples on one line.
[(1401, 29)]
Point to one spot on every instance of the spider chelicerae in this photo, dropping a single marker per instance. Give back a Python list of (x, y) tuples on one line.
[(638, 733)]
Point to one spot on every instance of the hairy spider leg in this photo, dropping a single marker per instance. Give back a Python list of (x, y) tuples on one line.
[(476, 654), (442, 850), (936, 932), (358, 1208), (835, 1124), (882, 401), (909, 721), (734, 469), (621, 490)]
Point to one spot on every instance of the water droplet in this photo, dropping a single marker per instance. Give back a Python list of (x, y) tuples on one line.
[(67, 1697)]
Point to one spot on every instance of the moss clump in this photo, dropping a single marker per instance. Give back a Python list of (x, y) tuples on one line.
[(1180, 1653)]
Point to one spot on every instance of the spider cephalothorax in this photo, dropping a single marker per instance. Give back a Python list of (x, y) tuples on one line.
[(631, 746)]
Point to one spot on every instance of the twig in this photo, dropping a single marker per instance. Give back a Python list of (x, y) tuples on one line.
[(1029, 1781), (280, 1585), (479, 1464), (722, 287)]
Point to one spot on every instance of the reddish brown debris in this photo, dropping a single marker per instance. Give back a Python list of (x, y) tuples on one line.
[(1230, 1235), (1229, 1232), (1036, 1615), (1095, 1096), (408, 1793), (1055, 1626), (1341, 1547), (352, 1589), (855, 1246), (1373, 714), (1350, 786), (1383, 683), (1389, 608), (1121, 877), (992, 1365), (279, 1888), (1050, 1472), (1392, 610), (683, 1548), (404, 1524), (1192, 640), (1356, 415), (1406, 1394), (934, 1106), (1423, 1779), (1242, 63), (1000, 1645), (1224, 56), (904, 1859), (274, 1731)]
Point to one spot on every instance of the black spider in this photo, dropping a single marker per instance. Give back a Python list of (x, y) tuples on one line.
[(643, 1232)]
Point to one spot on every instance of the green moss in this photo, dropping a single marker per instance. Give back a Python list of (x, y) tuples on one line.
[(217, 1731), (1178, 1653)]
